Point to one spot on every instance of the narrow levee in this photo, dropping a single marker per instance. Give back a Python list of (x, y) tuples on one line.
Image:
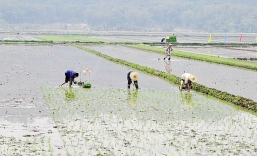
[(230, 79), (237, 53)]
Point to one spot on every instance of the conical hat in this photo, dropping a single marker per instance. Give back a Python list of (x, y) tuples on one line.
[(86, 71), (134, 76), (192, 78)]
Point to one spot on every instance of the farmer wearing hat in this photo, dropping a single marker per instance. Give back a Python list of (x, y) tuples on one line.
[(168, 51), (69, 77), (187, 79), (132, 78)]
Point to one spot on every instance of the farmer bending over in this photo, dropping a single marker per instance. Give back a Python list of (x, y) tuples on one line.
[(132, 78), (69, 77), (187, 79), (168, 51)]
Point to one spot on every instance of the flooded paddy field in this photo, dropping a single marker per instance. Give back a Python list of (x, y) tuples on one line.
[(40, 118), (24, 115), (182, 37), (18, 36), (149, 122), (230, 52), (230, 79)]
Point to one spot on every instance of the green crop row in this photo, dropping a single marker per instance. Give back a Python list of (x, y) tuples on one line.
[(25, 41), (237, 100), (201, 57), (202, 44), (71, 38)]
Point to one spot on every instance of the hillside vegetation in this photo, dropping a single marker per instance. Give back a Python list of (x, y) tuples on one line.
[(150, 15)]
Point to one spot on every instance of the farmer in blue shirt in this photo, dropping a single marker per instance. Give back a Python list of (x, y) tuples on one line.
[(132, 77), (70, 76)]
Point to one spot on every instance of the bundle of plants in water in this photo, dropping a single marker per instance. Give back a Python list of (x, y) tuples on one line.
[(87, 85), (79, 83)]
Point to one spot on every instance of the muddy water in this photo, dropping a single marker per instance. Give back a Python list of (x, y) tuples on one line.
[(249, 52), (17, 36), (25, 119), (59, 125), (150, 122), (232, 80)]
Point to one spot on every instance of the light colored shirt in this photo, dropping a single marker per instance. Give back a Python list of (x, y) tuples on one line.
[(185, 77), (168, 50)]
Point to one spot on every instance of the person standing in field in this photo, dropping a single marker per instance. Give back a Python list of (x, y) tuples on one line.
[(132, 77), (168, 52), (187, 79), (69, 77)]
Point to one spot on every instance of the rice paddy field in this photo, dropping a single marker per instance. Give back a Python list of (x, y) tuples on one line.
[(230, 79), (229, 52), (37, 117)]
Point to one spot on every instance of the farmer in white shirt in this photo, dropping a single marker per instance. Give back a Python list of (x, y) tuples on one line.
[(168, 52), (187, 79)]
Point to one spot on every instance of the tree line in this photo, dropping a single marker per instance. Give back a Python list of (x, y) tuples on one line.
[(134, 15)]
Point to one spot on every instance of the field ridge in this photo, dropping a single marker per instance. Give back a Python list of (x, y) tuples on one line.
[(237, 100)]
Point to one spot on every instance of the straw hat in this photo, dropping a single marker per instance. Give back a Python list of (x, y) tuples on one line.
[(134, 76), (192, 78), (86, 71)]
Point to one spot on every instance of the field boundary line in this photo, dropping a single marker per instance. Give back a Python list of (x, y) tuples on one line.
[(200, 57), (237, 100)]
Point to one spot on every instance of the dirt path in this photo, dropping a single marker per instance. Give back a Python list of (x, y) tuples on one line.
[(232, 80)]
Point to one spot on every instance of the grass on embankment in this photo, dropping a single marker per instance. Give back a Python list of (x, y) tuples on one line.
[(67, 38), (237, 100), (201, 57), (25, 42), (219, 44)]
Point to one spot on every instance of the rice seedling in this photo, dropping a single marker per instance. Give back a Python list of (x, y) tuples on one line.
[(111, 122), (243, 102)]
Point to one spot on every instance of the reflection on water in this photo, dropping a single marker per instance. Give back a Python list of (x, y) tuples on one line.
[(132, 98), (150, 117), (186, 100), (167, 67)]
